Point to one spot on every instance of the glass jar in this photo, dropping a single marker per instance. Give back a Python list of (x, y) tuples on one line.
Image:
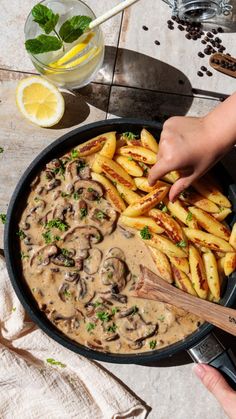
[(199, 10), (80, 68)]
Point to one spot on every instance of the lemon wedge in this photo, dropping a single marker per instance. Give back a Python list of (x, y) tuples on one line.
[(73, 52), (40, 101)]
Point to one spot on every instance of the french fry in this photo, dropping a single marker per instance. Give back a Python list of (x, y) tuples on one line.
[(198, 273), (211, 192), (165, 246), (171, 227), (232, 239), (177, 209), (130, 166), (127, 194), (207, 240), (147, 202), (171, 177), (230, 263), (109, 148), (213, 280), (224, 212), (182, 281), (148, 141), (111, 193), (139, 153), (219, 255), (181, 263), (221, 271), (134, 142), (162, 264), (94, 145), (113, 171), (143, 185), (141, 222), (194, 198), (210, 224)]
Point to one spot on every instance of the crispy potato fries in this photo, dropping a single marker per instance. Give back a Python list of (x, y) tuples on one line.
[(190, 243)]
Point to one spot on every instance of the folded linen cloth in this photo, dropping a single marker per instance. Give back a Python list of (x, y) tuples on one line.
[(41, 379)]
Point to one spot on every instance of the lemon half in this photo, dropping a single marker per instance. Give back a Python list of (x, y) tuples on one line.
[(40, 101)]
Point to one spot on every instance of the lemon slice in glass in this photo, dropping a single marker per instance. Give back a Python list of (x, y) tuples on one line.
[(40, 101)]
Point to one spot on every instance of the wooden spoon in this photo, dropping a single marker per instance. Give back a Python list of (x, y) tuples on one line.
[(225, 58), (152, 287)]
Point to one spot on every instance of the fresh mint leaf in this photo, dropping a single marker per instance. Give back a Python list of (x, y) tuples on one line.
[(73, 28), (43, 43), (45, 17)]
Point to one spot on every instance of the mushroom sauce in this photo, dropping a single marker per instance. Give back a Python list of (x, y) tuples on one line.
[(81, 266)]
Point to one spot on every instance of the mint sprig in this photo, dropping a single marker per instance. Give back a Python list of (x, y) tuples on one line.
[(73, 28), (70, 30)]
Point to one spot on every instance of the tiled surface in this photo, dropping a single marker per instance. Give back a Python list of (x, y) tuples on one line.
[(12, 19), (160, 67)]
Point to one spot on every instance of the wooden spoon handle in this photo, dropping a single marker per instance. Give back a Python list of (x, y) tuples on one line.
[(152, 287)]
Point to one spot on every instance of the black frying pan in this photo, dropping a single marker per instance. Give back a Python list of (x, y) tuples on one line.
[(202, 344)]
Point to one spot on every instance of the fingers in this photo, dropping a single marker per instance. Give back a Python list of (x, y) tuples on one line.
[(179, 186), (217, 385), (160, 168)]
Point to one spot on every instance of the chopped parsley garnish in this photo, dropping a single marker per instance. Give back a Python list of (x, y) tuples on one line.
[(112, 328), (33, 289), (3, 218), (110, 275), (145, 233), (47, 237), (54, 362), (57, 223), (161, 318), (135, 310), (60, 170), (65, 195), (21, 234), (90, 189), (182, 243), (90, 326), (83, 213), (115, 310), (162, 207), (221, 209), (153, 344), (129, 135), (104, 316), (65, 252), (100, 215), (24, 255), (130, 158), (97, 303), (74, 154), (36, 199), (189, 216), (67, 293), (114, 182), (76, 196), (13, 308), (1, 150), (57, 238)]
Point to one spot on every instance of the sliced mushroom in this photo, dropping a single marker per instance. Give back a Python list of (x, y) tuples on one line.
[(126, 313), (40, 206), (120, 298), (128, 234), (63, 291), (53, 184), (61, 210), (136, 330), (35, 183), (89, 189), (62, 260), (92, 263), (28, 241), (114, 272), (49, 174), (72, 276), (106, 219), (74, 168), (83, 236), (113, 337), (116, 252), (85, 173), (95, 346), (82, 288), (53, 164), (44, 254)]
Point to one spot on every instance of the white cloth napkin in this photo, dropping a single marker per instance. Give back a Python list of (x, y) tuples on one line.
[(32, 388)]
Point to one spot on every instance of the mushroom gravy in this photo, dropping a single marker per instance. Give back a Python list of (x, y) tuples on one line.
[(81, 266)]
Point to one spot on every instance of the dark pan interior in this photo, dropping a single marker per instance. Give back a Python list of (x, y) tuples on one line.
[(56, 149)]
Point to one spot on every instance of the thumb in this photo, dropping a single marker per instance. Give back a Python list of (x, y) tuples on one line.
[(159, 169), (179, 186), (217, 385)]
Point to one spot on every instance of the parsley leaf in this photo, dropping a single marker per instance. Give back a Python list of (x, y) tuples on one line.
[(135, 310), (129, 135), (145, 233), (74, 154), (90, 326), (57, 223), (182, 243), (76, 196), (53, 362), (47, 237), (115, 310), (100, 215), (45, 17), (3, 218), (65, 252), (97, 304), (21, 234), (24, 255), (43, 43), (153, 344), (74, 27), (112, 328), (83, 213), (189, 216), (104, 316)]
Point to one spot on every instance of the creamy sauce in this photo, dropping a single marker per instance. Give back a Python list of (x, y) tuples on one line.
[(81, 266)]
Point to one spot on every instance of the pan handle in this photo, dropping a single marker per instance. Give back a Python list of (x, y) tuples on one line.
[(211, 351)]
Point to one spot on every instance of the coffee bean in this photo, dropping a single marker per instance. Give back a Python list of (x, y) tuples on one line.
[(188, 36), (203, 68), (220, 30), (200, 74), (171, 27), (203, 42), (207, 51), (209, 73), (173, 17), (221, 49), (169, 22), (194, 37), (218, 40), (180, 27), (206, 39), (200, 54), (214, 31), (157, 42), (145, 28), (209, 34)]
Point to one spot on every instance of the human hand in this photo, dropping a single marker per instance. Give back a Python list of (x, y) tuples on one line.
[(216, 384), (188, 145)]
